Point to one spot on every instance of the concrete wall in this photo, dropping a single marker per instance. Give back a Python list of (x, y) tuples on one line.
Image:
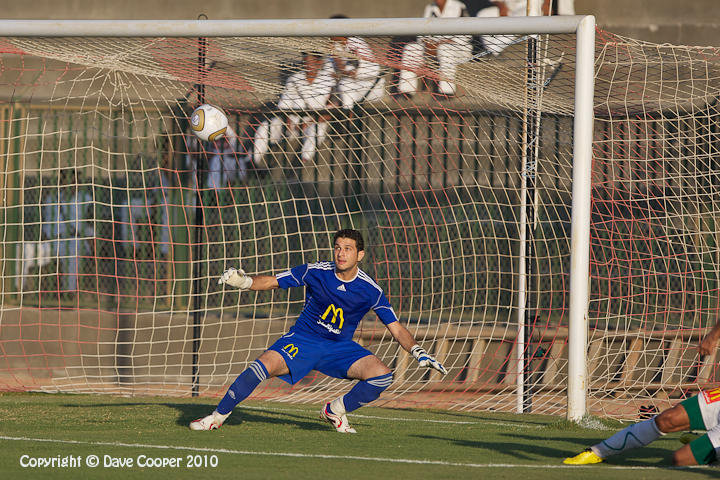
[(661, 21), (694, 22), (214, 9)]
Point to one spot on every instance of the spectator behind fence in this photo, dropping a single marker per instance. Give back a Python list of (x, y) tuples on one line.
[(307, 89), (225, 165), (226, 160), (164, 202), (518, 8), (449, 50), (132, 211), (34, 254), (143, 220), (358, 73), (67, 219), (495, 44)]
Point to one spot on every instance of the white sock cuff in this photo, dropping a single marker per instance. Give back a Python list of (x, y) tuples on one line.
[(338, 406), (219, 415)]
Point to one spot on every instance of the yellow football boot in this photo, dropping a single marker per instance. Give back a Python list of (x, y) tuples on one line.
[(586, 457)]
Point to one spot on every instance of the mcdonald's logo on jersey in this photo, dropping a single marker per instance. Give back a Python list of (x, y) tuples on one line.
[(291, 350), (337, 314), (712, 396)]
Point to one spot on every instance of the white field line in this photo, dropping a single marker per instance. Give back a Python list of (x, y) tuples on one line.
[(328, 457), (400, 419)]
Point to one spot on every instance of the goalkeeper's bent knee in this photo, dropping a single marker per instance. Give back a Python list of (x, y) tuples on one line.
[(365, 391)]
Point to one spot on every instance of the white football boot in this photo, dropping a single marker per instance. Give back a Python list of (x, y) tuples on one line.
[(211, 422), (340, 422)]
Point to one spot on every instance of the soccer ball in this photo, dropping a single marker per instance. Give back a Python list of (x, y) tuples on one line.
[(209, 122)]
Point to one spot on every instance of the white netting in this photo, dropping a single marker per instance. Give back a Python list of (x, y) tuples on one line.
[(111, 253)]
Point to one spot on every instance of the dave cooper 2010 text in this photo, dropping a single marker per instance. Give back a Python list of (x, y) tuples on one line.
[(109, 461)]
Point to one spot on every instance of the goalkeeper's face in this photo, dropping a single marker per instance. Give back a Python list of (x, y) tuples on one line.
[(347, 255)]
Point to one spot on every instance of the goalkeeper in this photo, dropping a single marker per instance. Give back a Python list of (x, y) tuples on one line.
[(701, 412), (337, 296)]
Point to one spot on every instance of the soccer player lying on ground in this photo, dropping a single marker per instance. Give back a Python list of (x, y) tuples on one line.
[(701, 412), (337, 296)]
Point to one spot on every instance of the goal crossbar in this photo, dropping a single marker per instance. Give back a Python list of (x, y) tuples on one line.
[(295, 28)]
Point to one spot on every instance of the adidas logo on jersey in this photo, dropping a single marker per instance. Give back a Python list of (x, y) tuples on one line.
[(342, 288)]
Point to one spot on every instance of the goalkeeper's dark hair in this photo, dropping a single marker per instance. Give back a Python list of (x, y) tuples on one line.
[(352, 235)]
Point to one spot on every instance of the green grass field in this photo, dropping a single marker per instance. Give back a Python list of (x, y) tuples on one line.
[(268, 440)]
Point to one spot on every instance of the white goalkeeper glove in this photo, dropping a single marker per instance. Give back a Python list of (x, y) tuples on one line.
[(426, 360), (236, 278)]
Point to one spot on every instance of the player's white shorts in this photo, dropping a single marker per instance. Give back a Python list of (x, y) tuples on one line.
[(704, 413)]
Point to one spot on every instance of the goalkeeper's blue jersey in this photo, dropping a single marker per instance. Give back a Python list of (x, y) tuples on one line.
[(333, 307)]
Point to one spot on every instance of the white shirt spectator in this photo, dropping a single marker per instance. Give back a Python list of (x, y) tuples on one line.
[(495, 44), (300, 93), (67, 220), (515, 8), (303, 94), (518, 8), (359, 74), (452, 9), (224, 164), (451, 51)]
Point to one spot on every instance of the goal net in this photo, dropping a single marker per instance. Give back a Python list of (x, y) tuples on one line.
[(654, 232), (452, 155)]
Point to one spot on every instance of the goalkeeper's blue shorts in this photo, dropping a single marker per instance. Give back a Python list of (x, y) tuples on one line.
[(303, 352)]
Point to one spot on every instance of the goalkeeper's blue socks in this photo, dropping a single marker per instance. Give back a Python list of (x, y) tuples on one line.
[(242, 387), (365, 391)]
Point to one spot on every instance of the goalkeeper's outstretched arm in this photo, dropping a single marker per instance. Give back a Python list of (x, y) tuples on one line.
[(402, 335), (239, 279), (406, 340), (264, 282)]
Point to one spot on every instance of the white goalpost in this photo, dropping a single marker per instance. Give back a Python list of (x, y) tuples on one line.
[(476, 205), (580, 225)]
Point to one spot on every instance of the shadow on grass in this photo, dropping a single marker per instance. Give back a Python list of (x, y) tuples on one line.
[(475, 416), (519, 449), (191, 411)]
